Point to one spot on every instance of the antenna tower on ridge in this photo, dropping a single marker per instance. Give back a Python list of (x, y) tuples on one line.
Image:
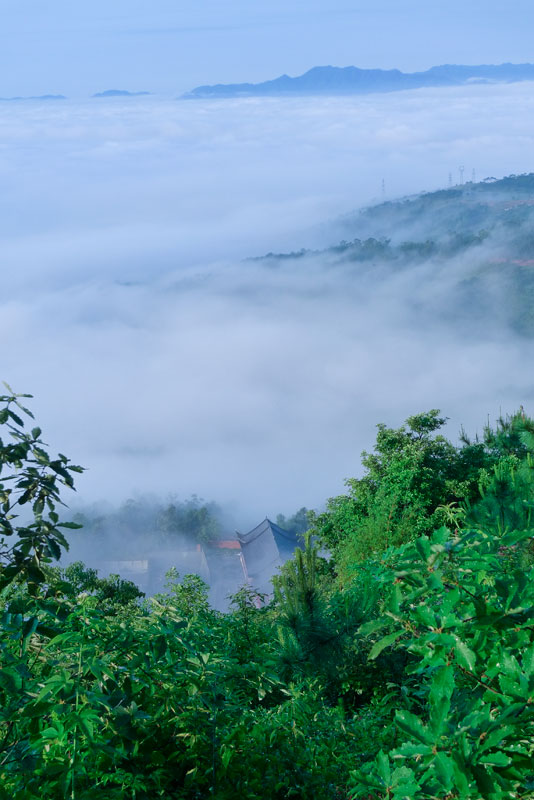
[(461, 171)]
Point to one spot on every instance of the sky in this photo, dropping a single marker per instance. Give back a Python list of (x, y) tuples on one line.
[(163, 360), (170, 46)]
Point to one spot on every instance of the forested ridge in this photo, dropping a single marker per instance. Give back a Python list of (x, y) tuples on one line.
[(398, 663), (465, 253)]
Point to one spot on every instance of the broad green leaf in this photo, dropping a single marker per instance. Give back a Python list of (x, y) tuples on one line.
[(412, 725), (411, 750), (496, 759), (464, 655), (226, 755), (29, 627), (10, 680), (527, 661), (383, 768), (383, 643), (441, 690), (404, 783), (374, 625), (50, 733), (443, 766)]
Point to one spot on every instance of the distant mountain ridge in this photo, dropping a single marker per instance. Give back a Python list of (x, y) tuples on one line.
[(119, 93), (352, 80), (34, 97)]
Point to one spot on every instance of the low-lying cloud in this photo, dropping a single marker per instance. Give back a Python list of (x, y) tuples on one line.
[(163, 361)]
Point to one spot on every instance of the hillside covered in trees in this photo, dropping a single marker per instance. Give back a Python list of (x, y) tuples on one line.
[(397, 664), (466, 253)]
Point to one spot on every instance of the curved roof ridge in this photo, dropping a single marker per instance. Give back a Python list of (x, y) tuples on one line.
[(264, 527)]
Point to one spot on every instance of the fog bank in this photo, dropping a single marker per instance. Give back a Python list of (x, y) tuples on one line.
[(163, 361)]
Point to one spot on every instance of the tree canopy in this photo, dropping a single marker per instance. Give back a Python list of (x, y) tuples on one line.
[(396, 659)]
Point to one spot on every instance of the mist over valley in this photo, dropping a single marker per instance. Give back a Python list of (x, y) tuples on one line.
[(267, 422), (225, 298)]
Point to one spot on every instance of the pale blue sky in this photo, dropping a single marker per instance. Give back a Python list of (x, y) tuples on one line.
[(170, 46)]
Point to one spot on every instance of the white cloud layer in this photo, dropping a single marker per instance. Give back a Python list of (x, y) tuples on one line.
[(162, 361)]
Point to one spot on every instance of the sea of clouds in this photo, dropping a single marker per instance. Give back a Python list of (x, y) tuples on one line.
[(163, 360)]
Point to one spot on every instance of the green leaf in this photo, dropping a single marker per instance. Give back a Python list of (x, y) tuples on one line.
[(226, 755), (87, 726), (29, 627), (496, 759), (55, 549), (15, 418), (11, 680), (383, 643), (50, 733), (374, 625), (413, 726), (382, 762), (441, 690), (464, 656), (443, 766), (412, 750), (405, 784), (47, 631), (159, 647), (461, 778), (528, 661), (38, 507)]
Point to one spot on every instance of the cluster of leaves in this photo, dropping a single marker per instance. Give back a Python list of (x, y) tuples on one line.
[(468, 628), (174, 700), (30, 481), (412, 480), (400, 667), (112, 592)]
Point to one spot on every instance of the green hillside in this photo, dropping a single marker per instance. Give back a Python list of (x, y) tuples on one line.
[(470, 250)]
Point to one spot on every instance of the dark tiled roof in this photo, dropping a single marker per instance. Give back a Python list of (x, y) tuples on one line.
[(265, 548)]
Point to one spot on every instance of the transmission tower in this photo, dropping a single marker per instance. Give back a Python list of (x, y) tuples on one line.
[(461, 171)]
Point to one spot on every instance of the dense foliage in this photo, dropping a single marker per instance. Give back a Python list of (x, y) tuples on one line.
[(396, 658)]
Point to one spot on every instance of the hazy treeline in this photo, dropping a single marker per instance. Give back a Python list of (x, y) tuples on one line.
[(146, 535), (143, 520), (466, 253)]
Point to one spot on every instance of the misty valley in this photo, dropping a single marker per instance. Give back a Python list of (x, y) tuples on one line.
[(454, 259), (266, 400), (378, 646)]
